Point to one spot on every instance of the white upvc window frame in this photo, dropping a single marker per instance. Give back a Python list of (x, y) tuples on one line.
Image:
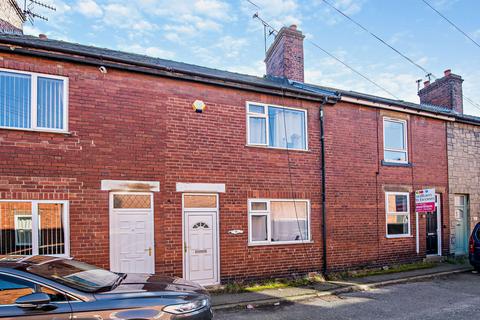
[(264, 115), (405, 140), (252, 213), (407, 213), (36, 223), (33, 103)]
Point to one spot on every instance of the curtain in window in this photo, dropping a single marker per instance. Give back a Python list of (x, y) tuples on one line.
[(289, 221), (50, 103), (258, 130), (14, 100), (287, 128), (259, 228)]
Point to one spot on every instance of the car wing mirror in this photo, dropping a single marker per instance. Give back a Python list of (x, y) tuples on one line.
[(33, 301)]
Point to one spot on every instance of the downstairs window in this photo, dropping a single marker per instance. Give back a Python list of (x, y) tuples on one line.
[(34, 228), (278, 221)]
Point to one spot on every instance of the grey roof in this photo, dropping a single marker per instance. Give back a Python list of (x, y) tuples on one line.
[(267, 81), (439, 110), (137, 59)]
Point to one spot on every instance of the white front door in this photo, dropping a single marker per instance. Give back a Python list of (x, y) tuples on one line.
[(131, 232), (201, 240)]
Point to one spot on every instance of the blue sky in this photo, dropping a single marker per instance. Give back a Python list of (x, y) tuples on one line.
[(222, 34)]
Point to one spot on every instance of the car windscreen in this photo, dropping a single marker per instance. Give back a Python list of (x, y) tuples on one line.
[(75, 274)]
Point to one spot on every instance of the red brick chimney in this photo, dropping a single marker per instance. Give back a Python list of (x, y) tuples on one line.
[(284, 58), (445, 92)]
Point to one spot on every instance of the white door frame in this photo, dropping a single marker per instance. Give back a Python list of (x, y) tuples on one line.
[(151, 218), (216, 245), (438, 204)]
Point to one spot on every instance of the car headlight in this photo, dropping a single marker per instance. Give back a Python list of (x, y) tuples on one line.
[(186, 307)]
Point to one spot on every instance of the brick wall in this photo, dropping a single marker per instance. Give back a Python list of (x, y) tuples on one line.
[(464, 171), (357, 181), (10, 19), (127, 126)]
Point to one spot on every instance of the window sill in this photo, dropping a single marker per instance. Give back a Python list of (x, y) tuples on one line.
[(275, 148), (250, 244), (37, 130), (396, 164), (399, 236)]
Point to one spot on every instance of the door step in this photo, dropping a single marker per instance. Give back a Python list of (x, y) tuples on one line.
[(433, 258)]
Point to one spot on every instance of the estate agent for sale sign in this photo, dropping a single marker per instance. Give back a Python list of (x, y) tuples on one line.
[(425, 200)]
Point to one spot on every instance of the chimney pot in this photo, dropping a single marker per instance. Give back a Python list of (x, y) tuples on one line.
[(447, 72), (426, 83), (293, 27), (42, 36)]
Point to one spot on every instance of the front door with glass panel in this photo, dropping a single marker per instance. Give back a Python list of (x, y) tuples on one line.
[(461, 224), (433, 229), (200, 238), (131, 233)]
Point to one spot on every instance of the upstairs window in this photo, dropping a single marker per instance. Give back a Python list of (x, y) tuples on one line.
[(33, 101), (395, 140), (276, 127)]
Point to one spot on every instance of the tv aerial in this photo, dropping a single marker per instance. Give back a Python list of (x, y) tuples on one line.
[(29, 7)]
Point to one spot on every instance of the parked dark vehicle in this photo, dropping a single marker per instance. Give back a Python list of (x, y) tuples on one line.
[(43, 287), (474, 248)]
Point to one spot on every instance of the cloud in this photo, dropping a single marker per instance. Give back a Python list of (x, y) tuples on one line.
[(212, 9), (476, 34), (89, 8), (189, 18), (256, 68), (226, 51), (331, 16), (147, 50), (232, 47), (31, 30), (443, 4), (388, 74), (125, 16), (278, 13)]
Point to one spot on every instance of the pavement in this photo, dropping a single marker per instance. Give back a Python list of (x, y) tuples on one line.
[(453, 296), (271, 297)]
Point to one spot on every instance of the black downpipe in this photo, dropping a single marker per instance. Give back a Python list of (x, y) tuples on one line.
[(324, 197)]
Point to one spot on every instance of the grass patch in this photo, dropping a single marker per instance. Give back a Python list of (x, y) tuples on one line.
[(254, 286), (315, 278), (381, 271)]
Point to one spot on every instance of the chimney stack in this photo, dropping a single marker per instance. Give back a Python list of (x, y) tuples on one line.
[(11, 18), (284, 58), (444, 92)]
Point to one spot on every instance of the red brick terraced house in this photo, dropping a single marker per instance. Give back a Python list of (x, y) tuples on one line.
[(140, 164)]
